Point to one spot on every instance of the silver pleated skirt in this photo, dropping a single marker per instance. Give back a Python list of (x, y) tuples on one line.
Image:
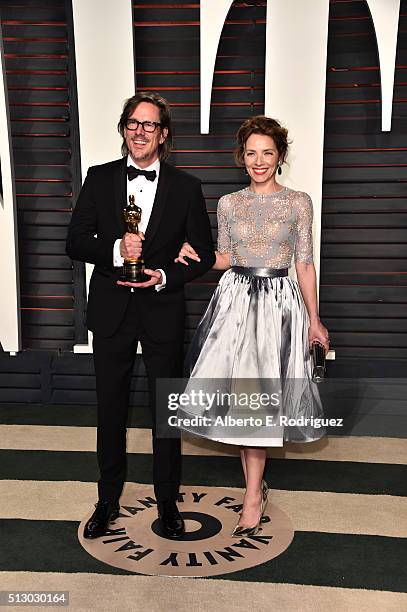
[(254, 337)]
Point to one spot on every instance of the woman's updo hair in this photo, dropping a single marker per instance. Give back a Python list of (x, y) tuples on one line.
[(260, 124)]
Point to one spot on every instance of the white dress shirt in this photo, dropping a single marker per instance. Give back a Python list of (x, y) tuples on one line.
[(144, 192)]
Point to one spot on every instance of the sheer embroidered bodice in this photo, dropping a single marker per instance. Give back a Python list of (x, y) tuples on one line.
[(265, 230)]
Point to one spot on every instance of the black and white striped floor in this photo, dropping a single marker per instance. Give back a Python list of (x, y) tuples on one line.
[(346, 497)]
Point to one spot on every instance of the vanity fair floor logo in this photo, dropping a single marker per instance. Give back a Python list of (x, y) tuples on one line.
[(134, 541)]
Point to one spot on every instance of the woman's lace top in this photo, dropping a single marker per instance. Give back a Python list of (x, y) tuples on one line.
[(265, 230)]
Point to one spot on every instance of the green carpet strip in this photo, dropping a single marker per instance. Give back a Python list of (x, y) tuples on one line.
[(328, 559), (64, 414), (286, 474)]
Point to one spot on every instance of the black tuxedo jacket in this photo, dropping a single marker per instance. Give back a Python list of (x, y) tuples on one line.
[(178, 213)]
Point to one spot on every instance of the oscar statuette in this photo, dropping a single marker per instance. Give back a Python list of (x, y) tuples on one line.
[(133, 269)]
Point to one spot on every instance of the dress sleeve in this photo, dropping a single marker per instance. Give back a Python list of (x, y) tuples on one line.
[(223, 226), (303, 243)]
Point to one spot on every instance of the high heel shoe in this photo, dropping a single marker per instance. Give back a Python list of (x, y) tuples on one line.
[(239, 531), (264, 491)]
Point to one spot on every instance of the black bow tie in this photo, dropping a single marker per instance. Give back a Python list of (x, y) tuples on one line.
[(132, 172)]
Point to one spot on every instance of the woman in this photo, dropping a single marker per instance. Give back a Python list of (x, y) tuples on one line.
[(260, 323)]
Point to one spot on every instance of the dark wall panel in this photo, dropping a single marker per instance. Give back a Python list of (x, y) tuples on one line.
[(364, 215), (41, 89), (167, 60), (364, 246)]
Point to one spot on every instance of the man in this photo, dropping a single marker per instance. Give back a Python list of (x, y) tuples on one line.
[(121, 314)]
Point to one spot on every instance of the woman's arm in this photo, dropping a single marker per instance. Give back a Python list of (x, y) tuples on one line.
[(303, 257), (223, 256), (308, 285), (222, 259)]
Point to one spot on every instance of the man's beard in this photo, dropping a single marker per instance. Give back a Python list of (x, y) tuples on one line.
[(141, 156)]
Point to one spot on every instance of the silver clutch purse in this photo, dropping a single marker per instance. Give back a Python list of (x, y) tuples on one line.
[(318, 362)]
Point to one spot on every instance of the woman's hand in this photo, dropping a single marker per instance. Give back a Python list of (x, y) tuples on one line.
[(318, 333), (186, 251)]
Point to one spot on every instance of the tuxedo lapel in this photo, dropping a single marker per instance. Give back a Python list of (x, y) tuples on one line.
[(120, 193), (158, 207)]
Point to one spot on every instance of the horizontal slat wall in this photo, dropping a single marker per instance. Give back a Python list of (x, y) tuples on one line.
[(364, 215), (364, 246), (39, 82), (167, 60)]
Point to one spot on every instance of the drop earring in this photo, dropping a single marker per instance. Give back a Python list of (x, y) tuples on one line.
[(279, 169)]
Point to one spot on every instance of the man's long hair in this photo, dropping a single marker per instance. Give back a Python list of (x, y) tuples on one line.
[(161, 103)]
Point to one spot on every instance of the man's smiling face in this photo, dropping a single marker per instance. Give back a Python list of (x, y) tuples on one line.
[(143, 145)]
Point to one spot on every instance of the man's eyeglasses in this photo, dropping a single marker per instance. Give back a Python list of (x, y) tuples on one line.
[(148, 126)]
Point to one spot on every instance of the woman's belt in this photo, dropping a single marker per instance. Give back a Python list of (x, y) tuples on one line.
[(265, 272)]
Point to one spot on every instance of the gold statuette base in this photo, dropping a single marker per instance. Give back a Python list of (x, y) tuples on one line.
[(133, 271)]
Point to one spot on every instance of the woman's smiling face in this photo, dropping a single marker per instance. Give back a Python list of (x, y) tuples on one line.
[(260, 157)]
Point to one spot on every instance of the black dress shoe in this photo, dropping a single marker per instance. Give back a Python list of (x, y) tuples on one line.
[(172, 523), (98, 523)]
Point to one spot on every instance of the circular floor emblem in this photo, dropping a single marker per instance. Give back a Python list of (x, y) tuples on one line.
[(134, 541)]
